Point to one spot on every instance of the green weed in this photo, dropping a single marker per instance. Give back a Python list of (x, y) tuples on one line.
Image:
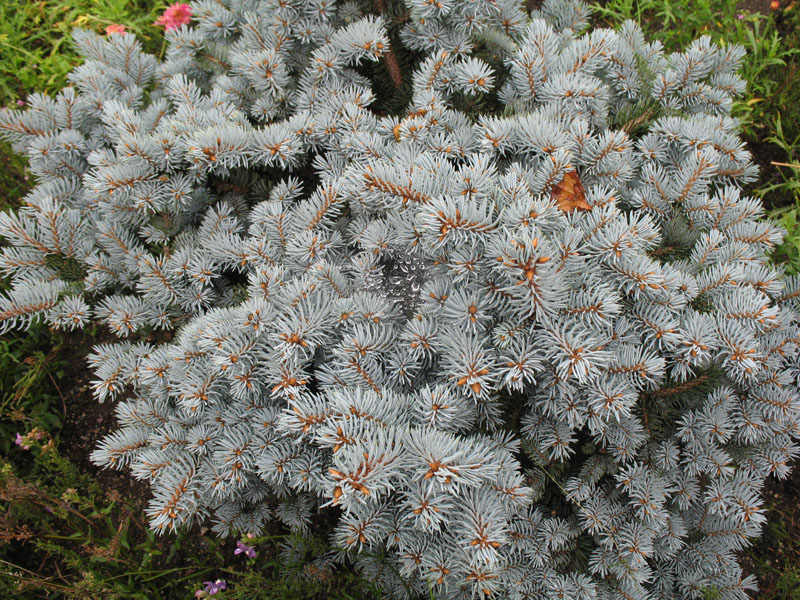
[(674, 23), (36, 52), (28, 398), (788, 212)]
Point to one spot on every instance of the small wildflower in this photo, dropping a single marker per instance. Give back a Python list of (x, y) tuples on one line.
[(20, 441), (244, 548), (175, 15), (70, 495), (200, 594), (20, 102), (740, 16), (212, 587), (112, 29), (250, 535), (775, 5)]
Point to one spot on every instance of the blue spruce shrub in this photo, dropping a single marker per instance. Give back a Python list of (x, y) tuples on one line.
[(479, 282)]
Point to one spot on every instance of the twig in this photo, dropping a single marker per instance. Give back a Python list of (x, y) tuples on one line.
[(64, 505), (60, 574), (782, 164), (44, 560), (395, 72), (40, 581), (60, 395), (681, 387), (636, 121)]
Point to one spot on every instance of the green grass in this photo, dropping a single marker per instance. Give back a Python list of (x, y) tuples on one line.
[(788, 215), (35, 38)]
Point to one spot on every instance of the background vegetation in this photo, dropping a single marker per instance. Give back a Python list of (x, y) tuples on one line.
[(68, 530)]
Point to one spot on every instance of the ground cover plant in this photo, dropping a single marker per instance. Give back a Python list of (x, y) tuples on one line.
[(566, 201)]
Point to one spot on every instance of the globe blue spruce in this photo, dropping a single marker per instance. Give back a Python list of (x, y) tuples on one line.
[(479, 282)]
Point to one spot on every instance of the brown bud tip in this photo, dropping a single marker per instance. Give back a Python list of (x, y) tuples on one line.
[(394, 69)]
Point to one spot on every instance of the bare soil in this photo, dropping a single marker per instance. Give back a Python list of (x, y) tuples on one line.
[(87, 421)]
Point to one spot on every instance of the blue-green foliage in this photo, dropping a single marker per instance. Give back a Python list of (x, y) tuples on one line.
[(502, 388)]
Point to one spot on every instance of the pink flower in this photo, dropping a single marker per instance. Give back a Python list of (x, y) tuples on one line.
[(112, 29), (20, 102), (175, 16), (20, 441)]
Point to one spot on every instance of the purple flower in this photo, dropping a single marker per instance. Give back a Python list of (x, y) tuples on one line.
[(740, 16), (212, 587), (20, 102), (21, 442), (244, 548)]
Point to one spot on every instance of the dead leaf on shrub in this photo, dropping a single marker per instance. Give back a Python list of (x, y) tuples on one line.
[(569, 193)]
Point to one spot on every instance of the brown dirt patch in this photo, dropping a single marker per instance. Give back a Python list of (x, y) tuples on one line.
[(87, 421)]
